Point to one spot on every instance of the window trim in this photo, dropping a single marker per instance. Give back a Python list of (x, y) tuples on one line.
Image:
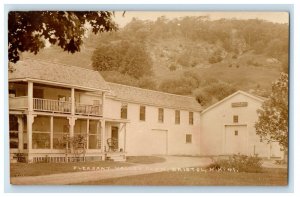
[(191, 118), (124, 106), (235, 119), (186, 138), (144, 114), (177, 116), (236, 132), (161, 115)]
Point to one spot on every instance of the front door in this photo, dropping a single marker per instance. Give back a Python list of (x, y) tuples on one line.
[(115, 136)]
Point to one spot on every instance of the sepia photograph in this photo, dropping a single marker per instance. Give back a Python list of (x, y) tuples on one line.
[(148, 98)]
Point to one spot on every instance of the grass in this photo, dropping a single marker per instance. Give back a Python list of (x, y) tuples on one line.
[(267, 177), (36, 169), (145, 159)]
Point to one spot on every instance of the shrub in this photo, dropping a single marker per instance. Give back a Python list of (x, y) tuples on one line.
[(172, 67), (215, 57), (242, 163)]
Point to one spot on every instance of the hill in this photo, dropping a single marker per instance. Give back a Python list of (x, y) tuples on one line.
[(194, 53)]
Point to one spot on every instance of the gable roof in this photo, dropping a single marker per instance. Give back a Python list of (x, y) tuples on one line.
[(49, 72), (155, 98), (258, 98)]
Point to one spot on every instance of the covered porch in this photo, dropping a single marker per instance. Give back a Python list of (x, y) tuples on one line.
[(54, 99), (57, 138)]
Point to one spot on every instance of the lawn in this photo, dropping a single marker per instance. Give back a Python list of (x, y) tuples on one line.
[(145, 159), (267, 177), (36, 169)]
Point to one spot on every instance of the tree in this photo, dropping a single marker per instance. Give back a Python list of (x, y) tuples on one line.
[(27, 31), (272, 124), (123, 56)]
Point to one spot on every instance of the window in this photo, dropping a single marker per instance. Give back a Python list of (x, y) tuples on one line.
[(124, 111), (96, 102), (94, 135), (177, 117), (60, 132), (236, 132), (191, 118), (41, 132), (142, 113), (13, 131), (188, 138), (235, 119), (160, 115)]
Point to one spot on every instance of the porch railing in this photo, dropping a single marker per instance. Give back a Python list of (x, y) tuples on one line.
[(48, 105), (88, 109), (51, 105), (18, 102)]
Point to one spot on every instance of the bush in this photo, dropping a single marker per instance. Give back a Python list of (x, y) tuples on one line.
[(242, 163), (172, 67), (215, 57)]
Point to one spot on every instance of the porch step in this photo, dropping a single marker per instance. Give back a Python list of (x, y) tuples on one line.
[(116, 157)]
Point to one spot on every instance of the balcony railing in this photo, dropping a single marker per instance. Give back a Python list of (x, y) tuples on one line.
[(48, 105), (18, 102), (88, 109)]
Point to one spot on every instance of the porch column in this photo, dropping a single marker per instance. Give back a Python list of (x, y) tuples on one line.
[(124, 137), (72, 101), (20, 133), (103, 103), (51, 132), (102, 135), (30, 120), (30, 117), (71, 124), (87, 133), (30, 96)]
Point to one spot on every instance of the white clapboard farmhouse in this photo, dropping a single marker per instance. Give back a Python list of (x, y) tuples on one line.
[(60, 113)]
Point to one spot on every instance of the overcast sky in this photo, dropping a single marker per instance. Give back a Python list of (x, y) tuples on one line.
[(277, 17)]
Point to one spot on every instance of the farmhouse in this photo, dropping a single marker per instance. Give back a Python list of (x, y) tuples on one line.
[(60, 113)]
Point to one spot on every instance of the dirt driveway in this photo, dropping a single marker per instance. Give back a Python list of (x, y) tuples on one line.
[(171, 162)]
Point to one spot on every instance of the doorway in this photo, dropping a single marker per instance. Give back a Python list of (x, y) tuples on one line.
[(115, 136)]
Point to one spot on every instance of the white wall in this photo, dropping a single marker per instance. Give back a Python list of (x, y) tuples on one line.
[(142, 136), (213, 124)]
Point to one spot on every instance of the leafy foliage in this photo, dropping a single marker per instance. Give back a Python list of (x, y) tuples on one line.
[(213, 90), (272, 124), (182, 85), (124, 57), (28, 30), (241, 163)]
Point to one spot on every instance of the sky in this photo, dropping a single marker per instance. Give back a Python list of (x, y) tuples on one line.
[(276, 17)]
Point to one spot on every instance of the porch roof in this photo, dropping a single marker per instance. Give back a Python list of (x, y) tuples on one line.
[(154, 98), (50, 72)]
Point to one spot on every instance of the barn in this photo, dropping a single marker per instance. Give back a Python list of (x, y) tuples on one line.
[(227, 128)]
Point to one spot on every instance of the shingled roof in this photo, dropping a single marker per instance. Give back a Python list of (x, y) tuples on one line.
[(73, 76), (155, 98)]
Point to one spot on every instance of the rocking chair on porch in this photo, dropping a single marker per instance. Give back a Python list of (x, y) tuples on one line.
[(112, 144)]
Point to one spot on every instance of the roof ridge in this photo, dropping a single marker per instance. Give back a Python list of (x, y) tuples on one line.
[(151, 90), (58, 63), (230, 96)]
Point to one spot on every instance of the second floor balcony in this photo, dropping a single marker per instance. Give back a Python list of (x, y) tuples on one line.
[(54, 106)]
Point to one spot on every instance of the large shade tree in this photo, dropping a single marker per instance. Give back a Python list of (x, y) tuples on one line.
[(272, 124), (27, 31)]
